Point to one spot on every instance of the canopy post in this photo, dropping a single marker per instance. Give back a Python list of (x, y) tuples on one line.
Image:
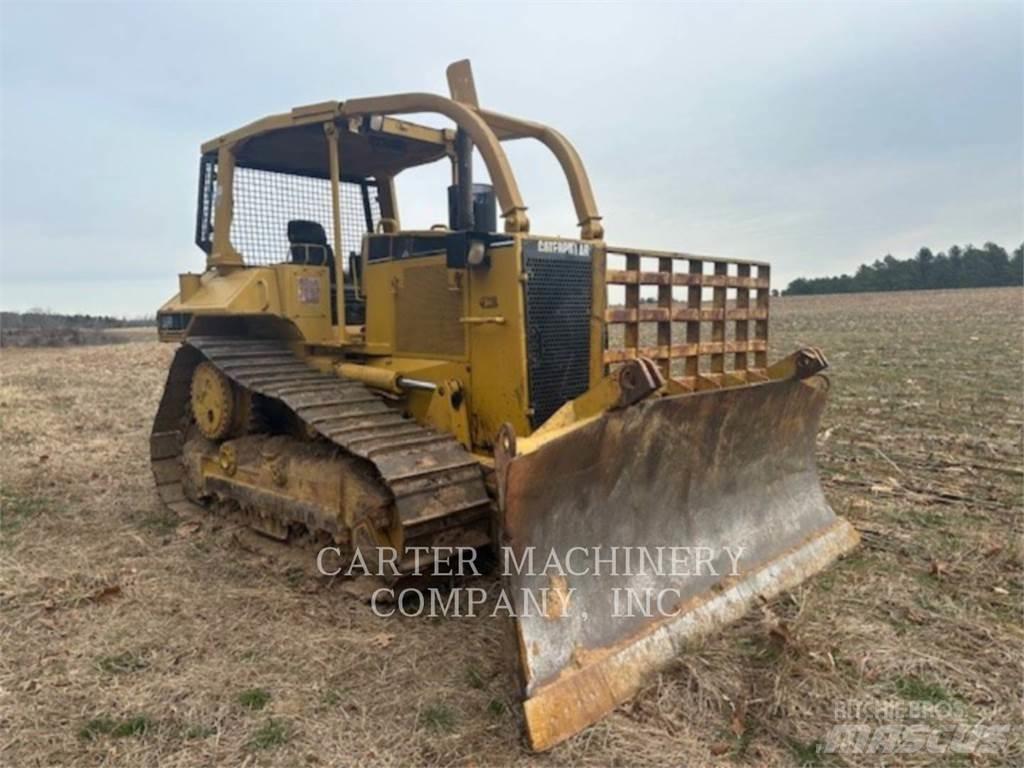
[(331, 132), (223, 255), (513, 210)]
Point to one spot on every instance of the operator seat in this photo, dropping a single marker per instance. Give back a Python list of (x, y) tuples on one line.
[(308, 244)]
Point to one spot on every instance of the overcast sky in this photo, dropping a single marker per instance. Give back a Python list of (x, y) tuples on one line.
[(816, 136)]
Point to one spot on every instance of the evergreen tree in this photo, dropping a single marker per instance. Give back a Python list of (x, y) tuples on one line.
[(963, 267)]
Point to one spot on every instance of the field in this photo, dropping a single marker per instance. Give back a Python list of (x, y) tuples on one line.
[(133, 637), (48, 329)]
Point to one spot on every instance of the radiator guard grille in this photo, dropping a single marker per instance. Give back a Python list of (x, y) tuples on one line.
[(558, 300)]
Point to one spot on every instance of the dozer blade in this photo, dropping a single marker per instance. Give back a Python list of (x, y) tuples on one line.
[(616, 502)]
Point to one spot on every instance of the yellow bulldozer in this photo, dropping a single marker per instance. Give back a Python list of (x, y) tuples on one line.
[(343, 382)]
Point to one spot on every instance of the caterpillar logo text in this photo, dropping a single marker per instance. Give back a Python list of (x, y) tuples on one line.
[(570, 247)]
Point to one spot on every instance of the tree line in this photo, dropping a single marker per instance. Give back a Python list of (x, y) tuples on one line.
[(44, 318), (966, 267)]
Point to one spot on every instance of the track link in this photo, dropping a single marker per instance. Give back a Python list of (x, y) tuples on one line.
[(434, 480)]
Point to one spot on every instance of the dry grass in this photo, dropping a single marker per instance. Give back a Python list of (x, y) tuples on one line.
[(73, 336), (130, 638)]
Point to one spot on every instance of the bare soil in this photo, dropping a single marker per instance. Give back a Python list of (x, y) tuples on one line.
[(133, 637)]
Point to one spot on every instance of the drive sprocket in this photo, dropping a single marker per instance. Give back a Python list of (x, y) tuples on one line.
[(217, 407)]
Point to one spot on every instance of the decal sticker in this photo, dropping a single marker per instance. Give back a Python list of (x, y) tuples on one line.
[(309, 290)]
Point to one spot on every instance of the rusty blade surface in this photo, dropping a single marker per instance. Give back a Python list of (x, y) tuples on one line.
[(726, 468)]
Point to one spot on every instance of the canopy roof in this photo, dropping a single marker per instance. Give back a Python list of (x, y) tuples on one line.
[(374, 143), (295, 143)]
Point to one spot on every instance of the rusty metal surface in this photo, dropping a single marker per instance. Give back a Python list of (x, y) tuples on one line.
[(710, 319), (430, 475), (722, 468), (637, 379)]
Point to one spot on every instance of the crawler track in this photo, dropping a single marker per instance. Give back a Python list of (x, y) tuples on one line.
[(435, 482)]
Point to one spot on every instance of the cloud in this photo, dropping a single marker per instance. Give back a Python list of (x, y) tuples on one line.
[(815, 136)]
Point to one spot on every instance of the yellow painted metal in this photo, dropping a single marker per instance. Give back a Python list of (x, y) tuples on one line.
[(330, 130), (507, 128), (462, 88), (486, 128), (462, 327), (296, 293), (415, 307), (448, 412), (424, 319), (379, 378), (212, 401), (244, 291), (461, 85), (219, 408), (593, 403), (223, 255), (429, 300), (498, 384), (476, 320), (419, 402), (289, 473), (188, 284), (513, 210)]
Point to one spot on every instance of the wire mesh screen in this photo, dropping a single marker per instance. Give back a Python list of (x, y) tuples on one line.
[(265, 201), (703, 319), (360, 212)]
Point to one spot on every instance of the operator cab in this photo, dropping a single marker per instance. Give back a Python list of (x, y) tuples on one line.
[(282, 204), (311, 193)]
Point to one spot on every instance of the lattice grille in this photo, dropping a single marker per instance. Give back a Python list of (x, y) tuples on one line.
[(427, 312), (265, 201), (703, 319)]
